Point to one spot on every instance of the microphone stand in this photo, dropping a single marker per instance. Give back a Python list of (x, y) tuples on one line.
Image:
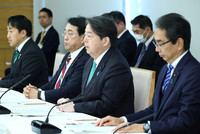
[(4, 110), (43, 127)]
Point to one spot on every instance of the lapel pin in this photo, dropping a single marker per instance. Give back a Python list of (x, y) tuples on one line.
[(19, 56), (100, 68), (174, 75)]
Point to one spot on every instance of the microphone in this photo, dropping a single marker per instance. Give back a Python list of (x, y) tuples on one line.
[(4, 110), (43, 127), (148, 117)]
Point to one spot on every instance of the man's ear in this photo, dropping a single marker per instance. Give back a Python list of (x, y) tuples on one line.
[(23, 33), (180, 43), (106, 41), (82, 38)]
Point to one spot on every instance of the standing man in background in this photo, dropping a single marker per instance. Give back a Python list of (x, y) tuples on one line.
[(48, 39), (146, 57), (27, 58), (126, 43)]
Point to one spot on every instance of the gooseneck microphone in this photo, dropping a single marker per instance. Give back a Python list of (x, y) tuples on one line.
[(44, 127), (148, 117), (4, 110)]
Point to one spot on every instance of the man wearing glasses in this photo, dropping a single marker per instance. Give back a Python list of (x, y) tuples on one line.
[(176, 101), (67, 80), (146, 57), (48, 39)]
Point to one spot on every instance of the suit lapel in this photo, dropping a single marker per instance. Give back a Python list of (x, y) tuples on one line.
[(148, 52), (172, 81), (71, 68), (159, 88), (20, 55), (98, 70)]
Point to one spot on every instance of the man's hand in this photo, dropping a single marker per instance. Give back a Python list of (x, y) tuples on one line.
[(109, 121), (135, 128), (30, 92), (69, 107)]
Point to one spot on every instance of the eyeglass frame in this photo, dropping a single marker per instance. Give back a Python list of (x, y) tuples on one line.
[(68, 34), (159, 45)]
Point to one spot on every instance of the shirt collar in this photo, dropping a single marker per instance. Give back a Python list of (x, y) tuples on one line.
[(149, 40), (47, 29), (122, 33), (97, 61), (19, 48), (75, 53), (175, 63)]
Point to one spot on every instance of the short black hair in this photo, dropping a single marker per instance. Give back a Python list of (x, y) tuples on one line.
[(143, 21), (176, 26), (79, 22), (103, 27), (116, 16), (21, 23), (48, 11)]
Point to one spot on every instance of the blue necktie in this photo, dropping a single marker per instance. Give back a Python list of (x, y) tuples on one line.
[(92, 71), (167, 78)]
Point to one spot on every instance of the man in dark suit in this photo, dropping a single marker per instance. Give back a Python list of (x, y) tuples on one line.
[(48, 39), (146, 57), (27, 59), (65, 83), (126, 43), (176, 101), (107, 82)]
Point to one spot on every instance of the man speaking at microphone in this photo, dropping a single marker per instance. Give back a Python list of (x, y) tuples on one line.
[(107, 82), (27, 59), (176, 101)]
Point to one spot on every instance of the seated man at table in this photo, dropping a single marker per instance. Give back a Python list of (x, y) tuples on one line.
[(27, 58), (67, 80), (176, 101), (107, 83)]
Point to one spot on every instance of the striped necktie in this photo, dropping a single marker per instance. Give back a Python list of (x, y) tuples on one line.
[(167, 78), (62, 73)]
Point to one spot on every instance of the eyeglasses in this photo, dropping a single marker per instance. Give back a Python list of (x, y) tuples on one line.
[(67, 34), (159, 45)]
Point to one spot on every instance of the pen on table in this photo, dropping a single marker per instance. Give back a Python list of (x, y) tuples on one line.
[(34, 103), (86, 120)]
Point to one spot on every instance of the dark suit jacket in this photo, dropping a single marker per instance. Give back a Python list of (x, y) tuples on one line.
[(71, 85), (110, 91), (50, 44), (150, 60), (177, 112), (31, 60), (127, 45)]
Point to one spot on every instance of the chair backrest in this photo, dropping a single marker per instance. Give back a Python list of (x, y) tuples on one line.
[(58, 59), (144, 84)]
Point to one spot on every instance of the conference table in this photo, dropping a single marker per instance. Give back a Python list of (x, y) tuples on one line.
[(24, 111)]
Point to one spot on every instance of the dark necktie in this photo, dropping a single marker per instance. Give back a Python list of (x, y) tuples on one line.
[(143, 50), (16, 55), (167, 78), (62, 73)]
